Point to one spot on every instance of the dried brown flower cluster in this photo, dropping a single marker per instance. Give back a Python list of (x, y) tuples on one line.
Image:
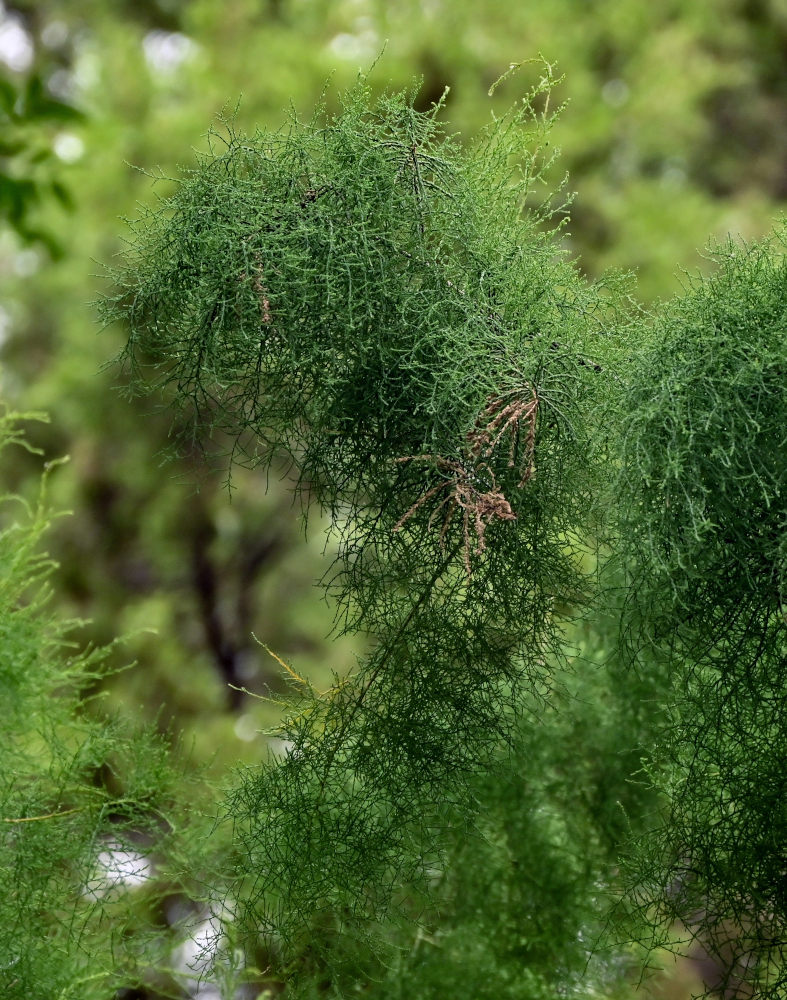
[(469, 484), (507, 417)]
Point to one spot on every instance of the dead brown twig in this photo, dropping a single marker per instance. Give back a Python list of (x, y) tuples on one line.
[(469, 484), (259, 287), (262, 293), (507, 417), (478, 506)]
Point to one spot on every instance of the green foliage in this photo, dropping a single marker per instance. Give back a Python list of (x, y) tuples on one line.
[(703, 451), (86, 804), (704, 516), (26, 157), (658, 163), (361, 292), (367, 295)]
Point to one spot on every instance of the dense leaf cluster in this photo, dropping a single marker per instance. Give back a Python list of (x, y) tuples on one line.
[(367, 295), (704, 514), (703, 446), (379, 303)]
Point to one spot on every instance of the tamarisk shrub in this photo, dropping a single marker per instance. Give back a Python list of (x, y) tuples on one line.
[(388, 308), (366, 294), (703, 508)]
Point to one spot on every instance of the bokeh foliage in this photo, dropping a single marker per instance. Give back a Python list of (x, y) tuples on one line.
[(87, 802)]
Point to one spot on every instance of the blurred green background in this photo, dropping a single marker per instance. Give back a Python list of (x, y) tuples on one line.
[(674, 131)]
